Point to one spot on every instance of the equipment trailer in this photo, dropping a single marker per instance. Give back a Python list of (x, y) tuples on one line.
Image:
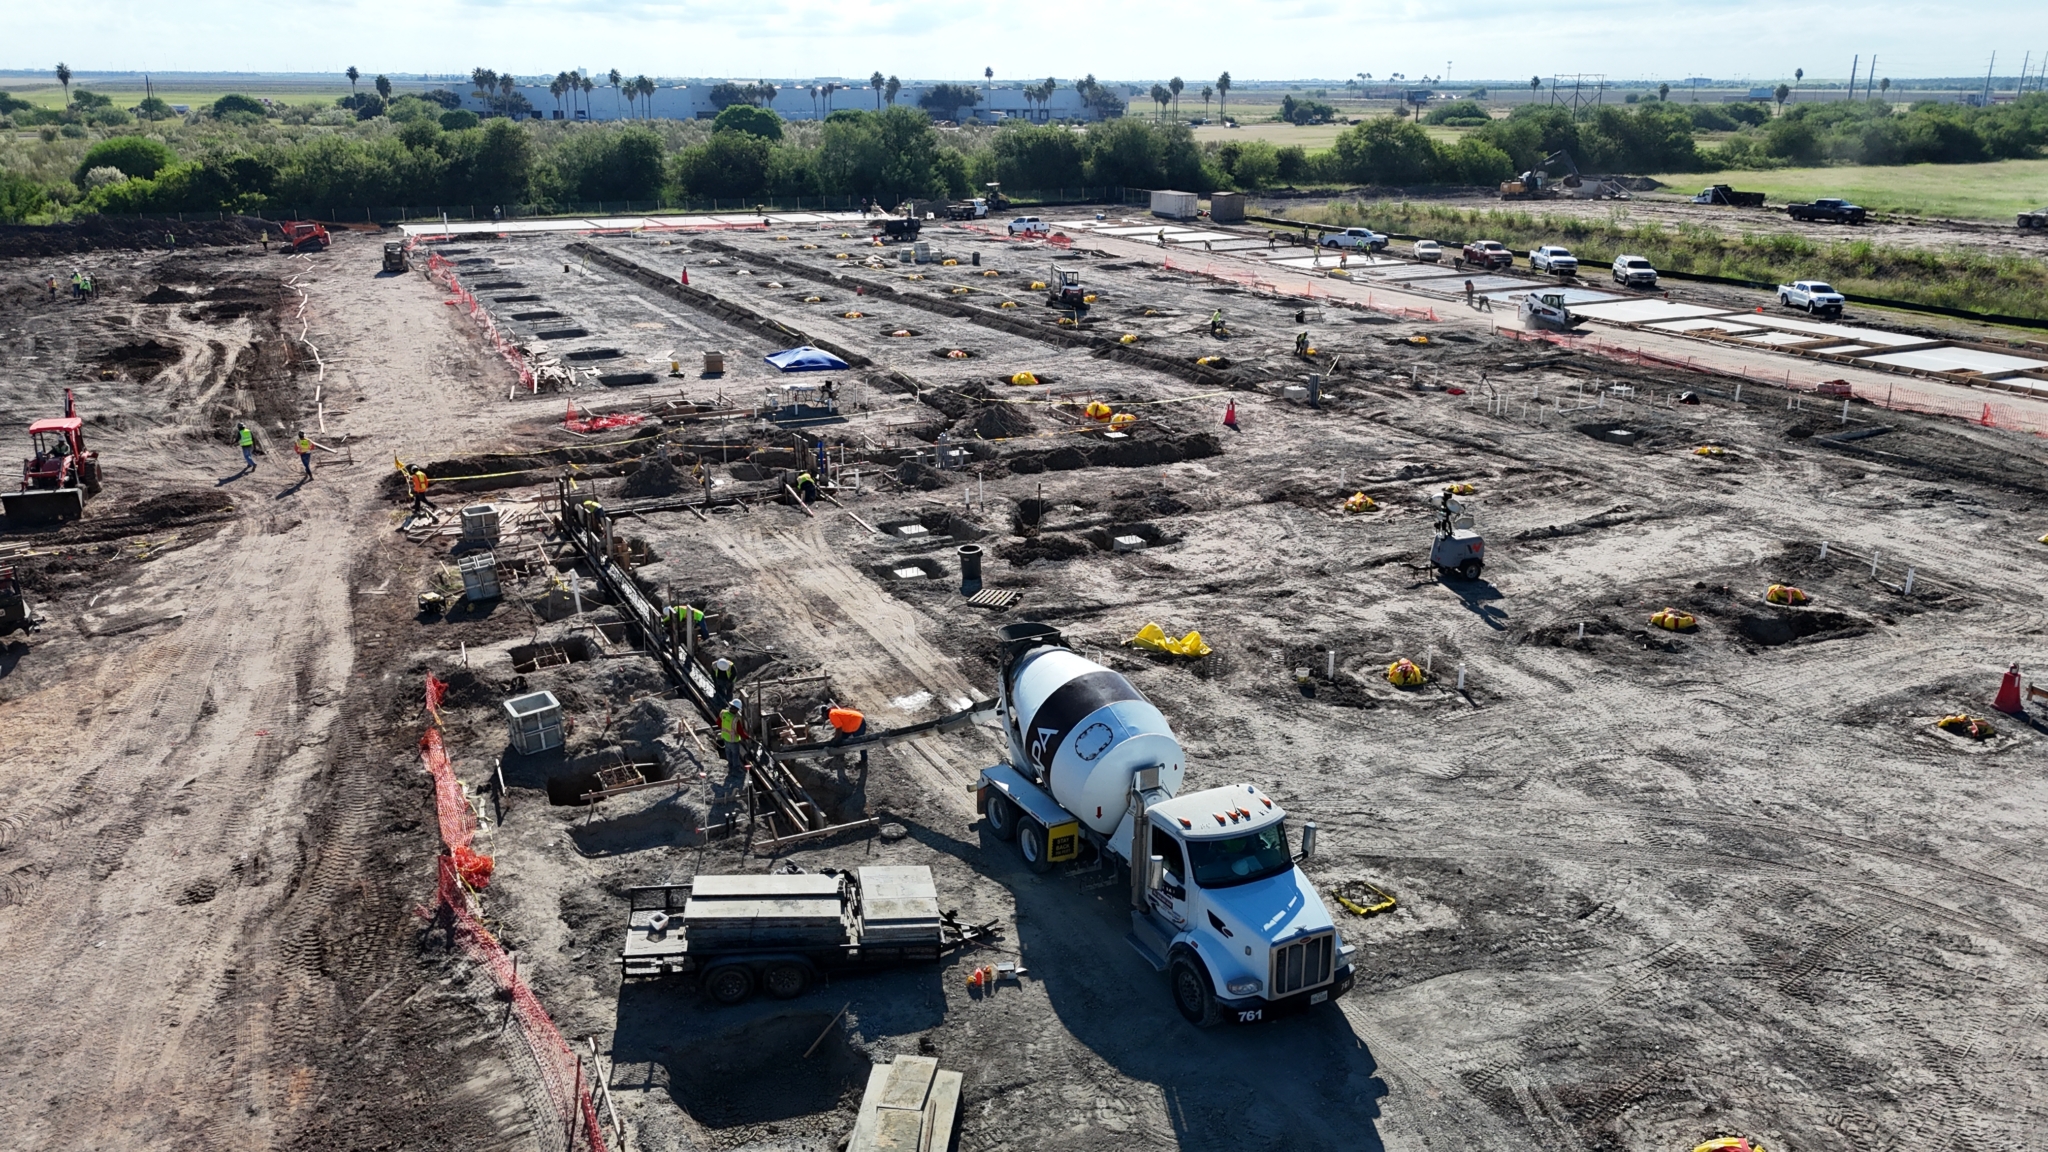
[(781, 932)]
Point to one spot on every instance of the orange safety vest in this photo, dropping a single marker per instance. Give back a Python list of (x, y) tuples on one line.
[(303, 445), (419, 482)]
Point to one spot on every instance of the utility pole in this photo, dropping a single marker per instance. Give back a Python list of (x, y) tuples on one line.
[(1987, 79), (1872, 78), (1852, 74)]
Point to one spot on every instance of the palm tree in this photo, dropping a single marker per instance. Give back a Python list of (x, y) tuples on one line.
[(1174, 86), (646, 88), (1207, 93), (64, 78), (486, 82), (1160, 96), (875, 82), (1798, 74), (1222, 95), (890, 89), (353, 76), (555, 90), (1884, 86), (1663, 91), (614, 78), (1783, 93), (588, 85), (506, 83), (989, 74)]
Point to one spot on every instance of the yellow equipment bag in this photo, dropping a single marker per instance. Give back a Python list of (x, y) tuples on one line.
[(1007, 304), (1971, 726), (1359, 502), (1152, 637), (1461, 489), (1206, 361), (1024, 379), (1097, 410), (853, 315), (1672, 619), (1707, 450), (949, 263), (1128, 338), (1784, 594), (1122, 420), (1404, 674), (1037, 285)]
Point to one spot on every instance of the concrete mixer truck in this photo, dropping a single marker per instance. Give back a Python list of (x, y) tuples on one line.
[(1217, 900)]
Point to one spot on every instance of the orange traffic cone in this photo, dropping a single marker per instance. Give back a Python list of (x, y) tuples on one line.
[(686, 281), (2008, 699), (1230, 415)]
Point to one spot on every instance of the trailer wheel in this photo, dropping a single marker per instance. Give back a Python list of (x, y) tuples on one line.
[(730, 984), (1031, 844), (1002, 817), (1470, 569), (1192, 994), (786, 981)]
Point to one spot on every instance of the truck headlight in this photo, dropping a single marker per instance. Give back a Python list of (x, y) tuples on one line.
[(1246, 986)]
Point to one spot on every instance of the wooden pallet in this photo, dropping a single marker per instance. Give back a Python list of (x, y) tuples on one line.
[(910, 1106), (997, 598)]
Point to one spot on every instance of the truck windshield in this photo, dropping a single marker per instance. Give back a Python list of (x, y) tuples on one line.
[(1817, 286), (1240, 859)]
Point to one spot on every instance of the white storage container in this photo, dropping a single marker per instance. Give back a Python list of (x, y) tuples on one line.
[(536, 721), (479, 576), (1174, 205)]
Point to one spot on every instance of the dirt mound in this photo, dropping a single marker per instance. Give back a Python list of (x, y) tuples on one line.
[(1054, 547), (182, 504), (95, 233), (656, 476), (920, 476), (149, 352), (165, 294), (1138, 452), (1000, 422)]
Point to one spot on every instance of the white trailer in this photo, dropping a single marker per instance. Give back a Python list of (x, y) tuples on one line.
[(1175, 205)]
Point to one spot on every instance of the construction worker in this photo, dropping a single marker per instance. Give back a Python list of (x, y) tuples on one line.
[(724, 675), (420, 500), (1468, 294), (730, 732), (806, 487), (1301, 344), (676, 617), (266, 239), (53, 289), (246, 441), (304, 445), (1216, 322)]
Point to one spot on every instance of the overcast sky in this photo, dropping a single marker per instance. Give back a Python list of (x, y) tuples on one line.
[(1274, 39)]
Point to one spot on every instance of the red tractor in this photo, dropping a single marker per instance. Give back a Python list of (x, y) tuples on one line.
[(303, 236), (56, 480)]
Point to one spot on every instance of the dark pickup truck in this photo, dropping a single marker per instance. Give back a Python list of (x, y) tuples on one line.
[(1827, 212)]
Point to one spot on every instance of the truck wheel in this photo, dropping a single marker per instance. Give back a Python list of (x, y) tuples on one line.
[(1002, 817), (1031, 844), (730, 984), (1470, 569), (1192, 994), (786, 981)]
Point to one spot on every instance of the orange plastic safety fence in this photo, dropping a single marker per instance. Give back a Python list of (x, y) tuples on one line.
[(458, 823), (561, 1073)]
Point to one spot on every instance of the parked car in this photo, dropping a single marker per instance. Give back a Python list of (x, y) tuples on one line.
[(1364, 238), (1429, 250), (1024, 224), (1816, 296), (1827, 212), (1555, 259), (1635, 272), (1488, 254)]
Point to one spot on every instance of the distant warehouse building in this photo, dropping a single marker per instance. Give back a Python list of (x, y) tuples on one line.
[(792, 102)]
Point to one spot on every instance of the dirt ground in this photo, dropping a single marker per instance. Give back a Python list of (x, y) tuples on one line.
[(1653, 887)]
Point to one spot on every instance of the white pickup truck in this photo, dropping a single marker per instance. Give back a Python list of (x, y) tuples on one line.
[(1817, 297), (1555, 259), (1364, 238)]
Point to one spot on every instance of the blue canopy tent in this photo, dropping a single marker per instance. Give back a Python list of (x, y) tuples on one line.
[(806, 359)]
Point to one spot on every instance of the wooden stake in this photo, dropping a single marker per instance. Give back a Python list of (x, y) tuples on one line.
[(827, 1031)]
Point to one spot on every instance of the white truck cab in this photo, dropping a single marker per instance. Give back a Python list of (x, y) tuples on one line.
[(1023, 224), (1555, 259)]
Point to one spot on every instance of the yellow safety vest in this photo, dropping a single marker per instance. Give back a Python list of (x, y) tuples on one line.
[(419, 482), (248, 438), (303, 445), (729, 726)]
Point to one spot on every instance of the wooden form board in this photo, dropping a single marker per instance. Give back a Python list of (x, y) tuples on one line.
[(910, 1106)]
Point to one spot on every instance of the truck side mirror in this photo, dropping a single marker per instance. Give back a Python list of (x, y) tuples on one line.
[(1155, 873), (1308, 840)]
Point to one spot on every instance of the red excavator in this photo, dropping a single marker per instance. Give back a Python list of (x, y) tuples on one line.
[(56, 480)]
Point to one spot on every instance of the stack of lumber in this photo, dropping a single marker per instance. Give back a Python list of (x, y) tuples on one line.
[(898, 905), (910, 1106), (726, 912)]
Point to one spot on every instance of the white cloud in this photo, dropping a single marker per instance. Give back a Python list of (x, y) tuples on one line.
[(1626, 39)]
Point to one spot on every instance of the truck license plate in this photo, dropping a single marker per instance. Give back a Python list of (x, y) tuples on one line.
[(1319, 997)]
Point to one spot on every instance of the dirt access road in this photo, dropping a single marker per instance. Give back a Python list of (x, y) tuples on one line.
[(208, 853)]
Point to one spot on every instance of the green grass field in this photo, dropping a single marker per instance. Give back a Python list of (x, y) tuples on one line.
[(1313, 137), (1994, 192), (126, 95)]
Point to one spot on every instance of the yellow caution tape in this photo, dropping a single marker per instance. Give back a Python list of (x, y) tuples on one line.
[(1380, 900)]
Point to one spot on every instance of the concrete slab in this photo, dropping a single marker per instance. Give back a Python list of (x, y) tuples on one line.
[(1573, 297), (1402, 270), (1143, 229), (1836, 331), (1730, 324), (1456, 284), (1959, 360), (1778, 339), (1198, 237), (1648, 311), (1844, 349)]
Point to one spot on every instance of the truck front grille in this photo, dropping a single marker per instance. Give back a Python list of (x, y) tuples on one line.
[(1303, 964)]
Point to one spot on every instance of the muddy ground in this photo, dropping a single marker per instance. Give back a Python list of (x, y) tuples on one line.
[(1653, 887)]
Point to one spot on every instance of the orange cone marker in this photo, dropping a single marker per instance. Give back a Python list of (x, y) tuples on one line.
[(2008, 699)]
